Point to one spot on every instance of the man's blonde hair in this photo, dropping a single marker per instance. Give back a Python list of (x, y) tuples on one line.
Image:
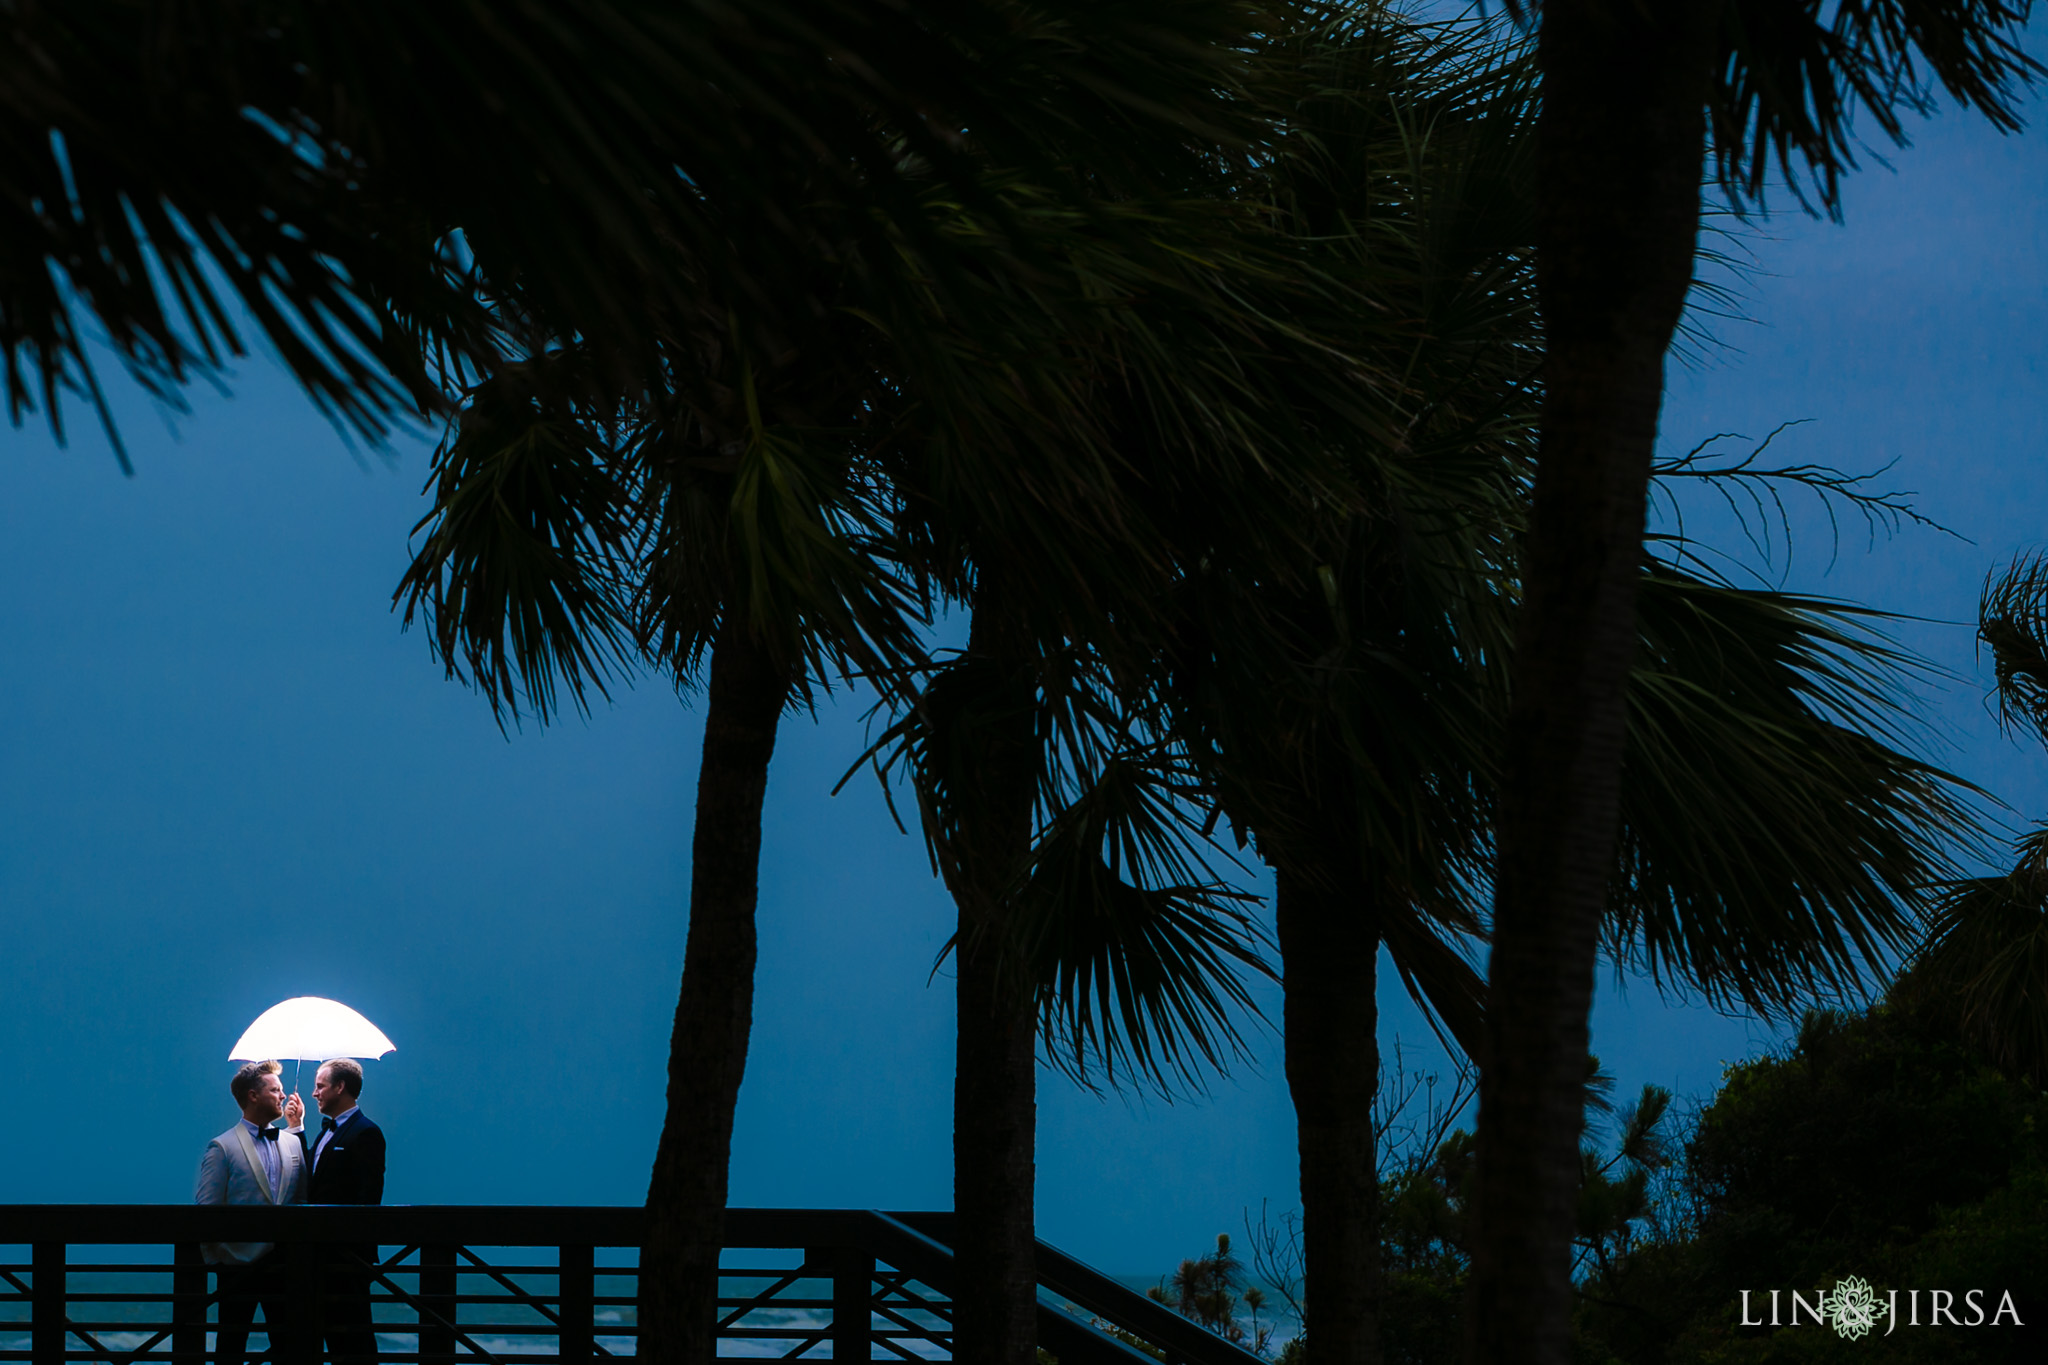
[(248, 1078), (350, 1073)]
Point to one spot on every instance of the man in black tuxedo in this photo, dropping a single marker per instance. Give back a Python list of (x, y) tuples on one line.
[(347, 1157)]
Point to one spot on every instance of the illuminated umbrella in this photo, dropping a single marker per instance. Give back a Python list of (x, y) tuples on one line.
[(307, 1028)]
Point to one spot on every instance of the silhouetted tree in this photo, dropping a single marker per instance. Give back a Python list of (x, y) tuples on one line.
[(1986, 947), (1634, 97)]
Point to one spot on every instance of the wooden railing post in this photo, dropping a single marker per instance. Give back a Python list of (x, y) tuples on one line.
[(46, 1306), (437, 1300), (853, 1270), (188, 1303), (308, 1293), (576, 1287)]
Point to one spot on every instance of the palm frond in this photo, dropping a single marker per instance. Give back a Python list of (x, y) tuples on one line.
[(346, 174), (1755, 494), (524, 570), (791, 534), (2012, 618), (936, 741), (1139, 957), (1431, 959), (1775, 843), (1791, 77), (1134, 949), (1987, 945)]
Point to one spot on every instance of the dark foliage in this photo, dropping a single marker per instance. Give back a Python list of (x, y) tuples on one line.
[(1211, 1290), (1984, 953), (1984, 960), (1880, 1145), (345, 172), (1424, 1190), (2012, 619)]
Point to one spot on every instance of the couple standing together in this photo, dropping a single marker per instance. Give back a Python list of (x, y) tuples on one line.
[(254, 1163)]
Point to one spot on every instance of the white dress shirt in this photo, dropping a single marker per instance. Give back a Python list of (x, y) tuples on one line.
[(332, 1133), (266, 1151)]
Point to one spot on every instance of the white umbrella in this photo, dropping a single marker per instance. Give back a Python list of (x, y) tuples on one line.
[(309, 1029)]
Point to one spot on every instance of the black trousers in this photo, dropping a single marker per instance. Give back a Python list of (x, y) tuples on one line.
[(266, 1284), (343, 1319)]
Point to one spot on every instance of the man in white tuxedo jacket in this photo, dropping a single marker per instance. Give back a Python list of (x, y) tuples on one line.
[(249, 1165)]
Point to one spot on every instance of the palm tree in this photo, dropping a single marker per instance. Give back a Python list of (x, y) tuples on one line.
[(730, 526), (1338, 701), (1771, 829), (986, 724), (1088, 919), (1984, 955), (1773, 843), (1085, 916), (1630, 94)]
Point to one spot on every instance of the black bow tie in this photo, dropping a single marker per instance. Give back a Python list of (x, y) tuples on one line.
[(327, 1125), (267, 1134)]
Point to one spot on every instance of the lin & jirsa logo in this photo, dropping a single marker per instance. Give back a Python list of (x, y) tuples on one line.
[(1853, 1308)]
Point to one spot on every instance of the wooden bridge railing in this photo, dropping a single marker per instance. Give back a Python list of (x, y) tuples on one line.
[(125, 1285)]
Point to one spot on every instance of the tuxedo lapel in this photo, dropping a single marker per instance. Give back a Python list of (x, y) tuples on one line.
[(255, 1163), (340, 1128)]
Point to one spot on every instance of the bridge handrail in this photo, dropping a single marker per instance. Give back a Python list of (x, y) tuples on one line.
[(917, 1243), (1087, 1287)]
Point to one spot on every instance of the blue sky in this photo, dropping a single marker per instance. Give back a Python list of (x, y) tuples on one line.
[(226, 777)]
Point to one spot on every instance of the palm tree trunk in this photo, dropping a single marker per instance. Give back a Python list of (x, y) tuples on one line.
[(707, 1053), (1329, 947), (1621, 141), (995, 1111), (995, 1116)]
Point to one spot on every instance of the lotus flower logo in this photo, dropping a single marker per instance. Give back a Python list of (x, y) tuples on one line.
[(1853, 1307)]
